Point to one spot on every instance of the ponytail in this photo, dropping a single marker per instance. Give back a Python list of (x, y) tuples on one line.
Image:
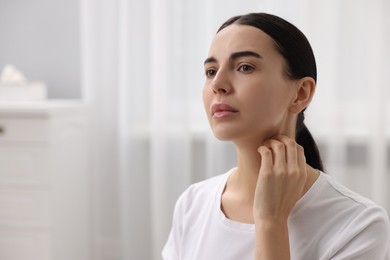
[(305, 139)]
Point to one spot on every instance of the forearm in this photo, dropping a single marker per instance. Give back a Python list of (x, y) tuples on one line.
[(272, 242)]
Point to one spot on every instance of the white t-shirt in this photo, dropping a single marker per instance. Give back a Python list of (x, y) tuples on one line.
[(328, 222)]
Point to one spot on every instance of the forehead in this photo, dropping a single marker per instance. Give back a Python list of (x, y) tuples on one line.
[(237, 37)]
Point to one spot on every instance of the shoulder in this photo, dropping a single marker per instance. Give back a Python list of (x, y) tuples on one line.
[(339, 223), (203, 189), (332, 202), (338, 198), (360, 222), (349, 200), (207, 185), (345, 198)]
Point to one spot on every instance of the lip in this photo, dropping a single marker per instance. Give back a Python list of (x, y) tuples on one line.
[(222, 110)]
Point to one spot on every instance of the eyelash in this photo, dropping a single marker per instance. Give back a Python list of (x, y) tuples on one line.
[(248, 67), (242, 68)]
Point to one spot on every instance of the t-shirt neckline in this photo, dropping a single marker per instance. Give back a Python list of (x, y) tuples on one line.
[(245, 227), (239, 226)]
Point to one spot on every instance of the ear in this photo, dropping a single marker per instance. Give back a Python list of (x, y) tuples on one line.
[(305, 88)]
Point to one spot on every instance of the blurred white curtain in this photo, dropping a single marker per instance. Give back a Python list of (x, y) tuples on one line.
[(143, 75), (350, 113)]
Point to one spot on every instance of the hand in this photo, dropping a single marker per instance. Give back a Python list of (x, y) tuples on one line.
[(281, 180)]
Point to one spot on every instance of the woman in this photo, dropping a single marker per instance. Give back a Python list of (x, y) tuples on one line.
[(277, 203)]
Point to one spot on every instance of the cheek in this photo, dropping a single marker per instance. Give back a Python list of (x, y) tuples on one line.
[(268, 108), (206, 98)]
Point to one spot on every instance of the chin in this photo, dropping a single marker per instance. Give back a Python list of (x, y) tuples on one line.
[(225, 135), (223, 138)]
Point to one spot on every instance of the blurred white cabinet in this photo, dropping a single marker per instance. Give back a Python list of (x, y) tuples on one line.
[(44, 181)]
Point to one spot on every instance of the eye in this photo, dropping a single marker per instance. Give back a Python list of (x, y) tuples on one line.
[(210, 73), (245, 68)]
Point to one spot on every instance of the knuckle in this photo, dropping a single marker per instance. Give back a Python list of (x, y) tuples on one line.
[(297, 175), (267, 174), (280, 170), (279, 146), (264, 150), (294, 171), (290, 142)]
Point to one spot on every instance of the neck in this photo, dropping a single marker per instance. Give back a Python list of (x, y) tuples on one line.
[(248, 165), (249, 162), (244, 179)]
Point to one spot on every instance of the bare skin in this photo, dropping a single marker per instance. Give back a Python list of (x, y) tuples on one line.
[(245, 71)]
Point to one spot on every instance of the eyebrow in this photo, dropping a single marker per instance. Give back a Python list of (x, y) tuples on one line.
[(236, 55)]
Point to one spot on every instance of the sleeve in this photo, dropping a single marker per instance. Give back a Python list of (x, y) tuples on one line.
[(366, 237), (171, 250)]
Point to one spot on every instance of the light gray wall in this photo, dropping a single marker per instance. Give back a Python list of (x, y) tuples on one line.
[(42, 39)]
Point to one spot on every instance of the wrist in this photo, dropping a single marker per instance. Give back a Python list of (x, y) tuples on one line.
[(260, 216), (271, 224), (272, 240)]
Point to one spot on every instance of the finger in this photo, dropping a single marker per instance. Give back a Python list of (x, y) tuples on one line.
[(291, 150), (278, 151), (266, 158), (301, 156)]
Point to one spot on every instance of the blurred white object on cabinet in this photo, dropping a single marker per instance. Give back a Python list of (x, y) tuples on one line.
[(14, 86)]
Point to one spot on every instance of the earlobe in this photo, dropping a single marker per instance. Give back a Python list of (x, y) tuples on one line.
[(305, 89)]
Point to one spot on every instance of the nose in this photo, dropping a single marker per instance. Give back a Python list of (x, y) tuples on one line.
[(221, 83)]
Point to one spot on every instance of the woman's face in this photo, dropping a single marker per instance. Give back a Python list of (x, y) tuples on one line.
[(246, 94)]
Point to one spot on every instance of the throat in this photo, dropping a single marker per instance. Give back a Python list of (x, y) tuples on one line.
[(236, 204), (237, 209)]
